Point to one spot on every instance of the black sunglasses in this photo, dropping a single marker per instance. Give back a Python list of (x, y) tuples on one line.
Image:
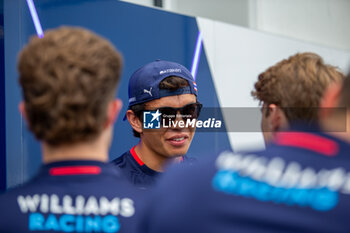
[(189, 111)]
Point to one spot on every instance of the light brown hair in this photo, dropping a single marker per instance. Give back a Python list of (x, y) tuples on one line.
[(68, 78), (296, 85)]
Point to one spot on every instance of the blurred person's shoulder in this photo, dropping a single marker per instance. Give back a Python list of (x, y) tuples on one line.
[(59, 190)]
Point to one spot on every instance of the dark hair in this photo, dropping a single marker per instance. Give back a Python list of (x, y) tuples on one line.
[(68, 77), (171, 83)]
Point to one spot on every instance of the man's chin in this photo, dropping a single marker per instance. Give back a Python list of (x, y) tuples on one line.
[(177, 153)]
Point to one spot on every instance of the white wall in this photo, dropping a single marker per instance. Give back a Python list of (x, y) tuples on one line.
[(231, 11), (237, 56), (140, 2), (324, 22)]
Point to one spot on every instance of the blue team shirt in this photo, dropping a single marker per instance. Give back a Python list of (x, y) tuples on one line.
[(137, 172), (71, 196), (300, 183)]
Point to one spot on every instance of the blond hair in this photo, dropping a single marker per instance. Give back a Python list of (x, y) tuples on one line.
[(296, 85), (68, 78)]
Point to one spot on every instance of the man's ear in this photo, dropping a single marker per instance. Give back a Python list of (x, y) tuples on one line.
[(277, 119), (22, 110), (330, 100), (134, 121), (113, 111)]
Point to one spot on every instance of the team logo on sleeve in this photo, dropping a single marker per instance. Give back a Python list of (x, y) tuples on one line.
[(151, 119)]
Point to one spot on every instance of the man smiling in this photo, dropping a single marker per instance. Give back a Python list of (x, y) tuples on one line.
[(159, 92)]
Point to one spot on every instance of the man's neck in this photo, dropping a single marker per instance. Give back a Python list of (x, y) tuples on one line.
[(152, 159), (81, 151), (337, 127)]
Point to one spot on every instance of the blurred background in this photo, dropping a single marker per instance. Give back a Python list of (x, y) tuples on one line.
[(226, 43)]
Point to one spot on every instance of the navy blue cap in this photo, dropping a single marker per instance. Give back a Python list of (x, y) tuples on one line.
[(144, 82)]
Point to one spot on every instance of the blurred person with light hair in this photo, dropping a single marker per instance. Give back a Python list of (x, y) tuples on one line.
[(291, 90), (68, 80)]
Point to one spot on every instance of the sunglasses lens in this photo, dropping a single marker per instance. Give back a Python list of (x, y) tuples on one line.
[(191, 111), (168, 113)]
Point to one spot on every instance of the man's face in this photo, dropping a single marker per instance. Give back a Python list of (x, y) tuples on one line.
[(173, 141)]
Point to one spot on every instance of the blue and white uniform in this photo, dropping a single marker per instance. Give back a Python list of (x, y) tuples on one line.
[(71, 196), (300, 183)]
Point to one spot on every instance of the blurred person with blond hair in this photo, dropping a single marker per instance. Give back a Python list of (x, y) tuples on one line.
[(68, 80), (290, 91)]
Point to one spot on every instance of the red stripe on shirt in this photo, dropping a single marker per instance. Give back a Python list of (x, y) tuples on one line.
[(308, 141), (75, 170), (136, 157)]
